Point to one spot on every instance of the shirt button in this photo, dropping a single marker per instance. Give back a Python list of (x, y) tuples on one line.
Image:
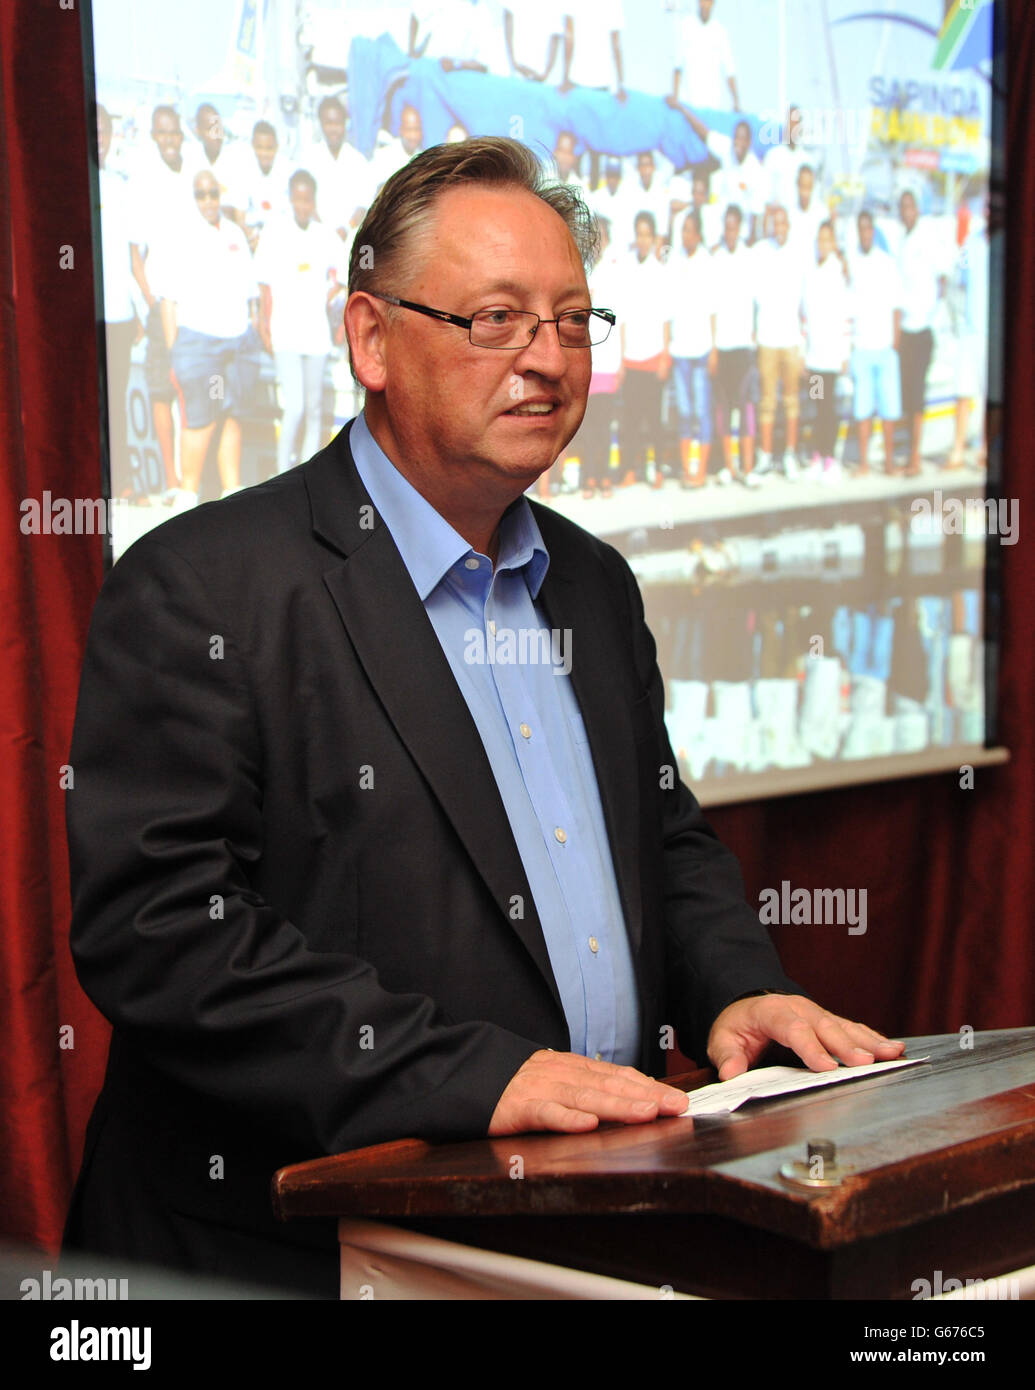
[(594, 944), (560, 835), (526, 732), (492, 626), (471, 563)]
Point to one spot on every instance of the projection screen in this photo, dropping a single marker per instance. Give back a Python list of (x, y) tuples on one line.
[(792, 431)]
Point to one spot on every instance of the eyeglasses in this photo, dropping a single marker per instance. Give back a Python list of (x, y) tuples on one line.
[(201, 194), (508, 329)]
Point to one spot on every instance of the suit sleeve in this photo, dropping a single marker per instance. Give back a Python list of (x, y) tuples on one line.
[(717, 950), (205, 980)]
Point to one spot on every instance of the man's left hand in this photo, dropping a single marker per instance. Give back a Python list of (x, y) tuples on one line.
[(745, 1028)]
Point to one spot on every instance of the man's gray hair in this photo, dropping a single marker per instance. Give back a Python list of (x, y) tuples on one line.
[(390, 235)]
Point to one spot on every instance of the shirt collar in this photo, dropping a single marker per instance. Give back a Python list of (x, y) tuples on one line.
[(429, 546)]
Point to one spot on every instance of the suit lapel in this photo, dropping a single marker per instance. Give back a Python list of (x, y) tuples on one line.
[(401, 655)]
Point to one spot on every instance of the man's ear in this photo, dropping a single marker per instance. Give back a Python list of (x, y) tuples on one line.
[(366, 325)]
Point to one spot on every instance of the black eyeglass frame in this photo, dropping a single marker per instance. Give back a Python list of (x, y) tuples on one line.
[(460, 322)]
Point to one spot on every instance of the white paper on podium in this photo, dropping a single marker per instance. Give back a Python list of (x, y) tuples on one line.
[(766, 1082)]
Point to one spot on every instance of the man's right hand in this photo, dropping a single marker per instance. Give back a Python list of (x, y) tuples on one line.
[(563, 1091)]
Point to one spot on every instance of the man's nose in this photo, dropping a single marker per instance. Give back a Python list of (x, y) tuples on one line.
[(544, 353)]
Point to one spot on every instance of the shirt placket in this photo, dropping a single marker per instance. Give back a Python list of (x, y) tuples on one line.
[(564, 834)]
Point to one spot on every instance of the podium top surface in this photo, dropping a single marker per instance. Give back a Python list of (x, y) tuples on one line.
[(915, 1144)]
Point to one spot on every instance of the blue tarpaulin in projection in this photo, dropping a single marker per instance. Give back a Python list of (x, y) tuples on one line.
[(532, 112)]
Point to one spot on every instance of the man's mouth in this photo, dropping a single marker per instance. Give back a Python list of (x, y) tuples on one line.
[(533, 408)]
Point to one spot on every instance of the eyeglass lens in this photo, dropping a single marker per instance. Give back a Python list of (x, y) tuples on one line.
[(504, 328)]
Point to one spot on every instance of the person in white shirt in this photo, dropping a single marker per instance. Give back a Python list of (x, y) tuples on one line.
[(876, 326), (778, 275), (923, 270), (342, 175), (732, 361), (565, 162), (709, 214), (208, 289), (610, 200), (460, 35), (262, 178), (161, 179), (783, 163), (600, 424), (705, 58), (972, 348), (161, 193), (593, 46), (299, 266), (826, 310), (739, 179), (648, 193), (216, 156), (807, 214), (390, 157), (644, 331), (122, 328), (691, 309), (539, 41)]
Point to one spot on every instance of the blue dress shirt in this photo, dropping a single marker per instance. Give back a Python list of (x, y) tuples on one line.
[(513, 674)]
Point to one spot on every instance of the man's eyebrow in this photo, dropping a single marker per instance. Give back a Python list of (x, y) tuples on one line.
[(519, 291)]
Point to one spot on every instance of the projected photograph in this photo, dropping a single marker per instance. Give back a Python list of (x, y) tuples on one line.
[(792, 430)]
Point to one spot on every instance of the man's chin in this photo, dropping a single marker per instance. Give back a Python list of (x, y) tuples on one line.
[(543, 440), (516, 474), (525, 476)]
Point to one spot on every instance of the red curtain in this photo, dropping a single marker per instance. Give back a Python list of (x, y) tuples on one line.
[(49, 440), (949, 873)]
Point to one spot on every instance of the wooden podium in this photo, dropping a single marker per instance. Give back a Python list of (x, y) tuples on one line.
[(937, 1174)]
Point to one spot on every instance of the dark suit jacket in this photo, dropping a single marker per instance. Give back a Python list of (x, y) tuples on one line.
[(296, 893)]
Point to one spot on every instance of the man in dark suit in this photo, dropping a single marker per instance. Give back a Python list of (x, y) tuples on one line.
[(344, 873)]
